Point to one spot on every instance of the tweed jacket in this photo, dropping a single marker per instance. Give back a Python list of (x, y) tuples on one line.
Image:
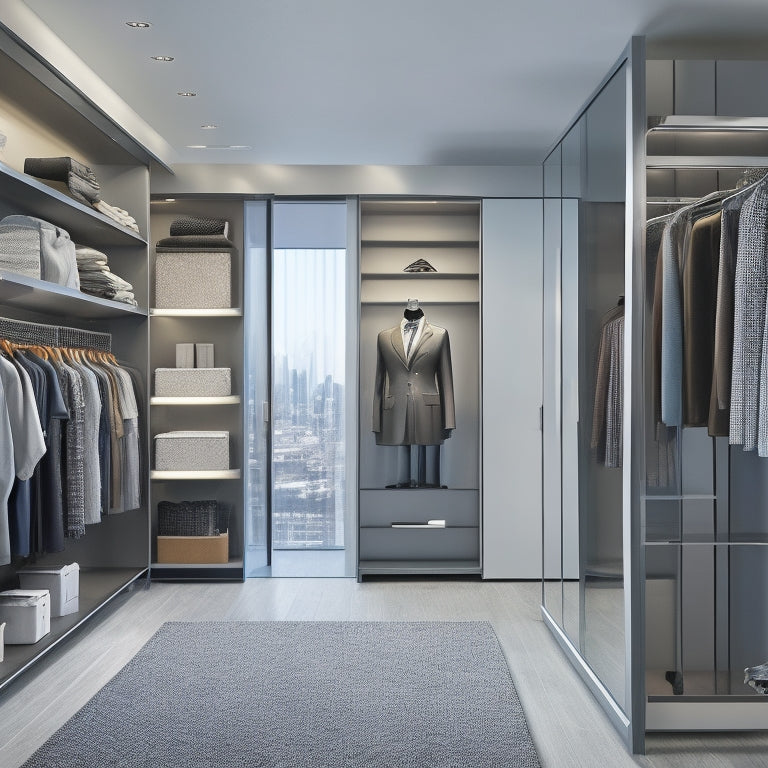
[(413, 398), (751, 290)]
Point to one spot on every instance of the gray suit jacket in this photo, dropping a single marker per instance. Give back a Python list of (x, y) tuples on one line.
[(413, 401)]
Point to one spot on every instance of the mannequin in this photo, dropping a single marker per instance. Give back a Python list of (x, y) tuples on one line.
[(413, 404)]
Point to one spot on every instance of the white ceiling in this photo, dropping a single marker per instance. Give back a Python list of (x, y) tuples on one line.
[(393, 82)]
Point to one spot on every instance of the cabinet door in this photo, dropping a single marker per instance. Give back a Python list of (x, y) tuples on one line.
[(512, 317)]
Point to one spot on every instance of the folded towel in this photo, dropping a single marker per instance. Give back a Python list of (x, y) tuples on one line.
[(198, 225), (195, 241)]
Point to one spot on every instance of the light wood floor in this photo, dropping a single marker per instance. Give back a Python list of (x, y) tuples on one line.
[(568, 727)]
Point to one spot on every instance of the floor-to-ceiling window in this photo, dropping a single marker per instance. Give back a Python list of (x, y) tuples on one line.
[(308, 520)]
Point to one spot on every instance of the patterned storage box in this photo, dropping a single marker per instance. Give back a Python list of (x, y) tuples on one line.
[(193, 382), (192, 451), (193, 279)]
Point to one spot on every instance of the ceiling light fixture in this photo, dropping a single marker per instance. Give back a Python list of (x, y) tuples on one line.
[(209, 127), (186, 93), (219, 146), (162, 58), (138, 24)]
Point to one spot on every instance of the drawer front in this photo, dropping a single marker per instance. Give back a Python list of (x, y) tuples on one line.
[(417, 505), (419, 544)]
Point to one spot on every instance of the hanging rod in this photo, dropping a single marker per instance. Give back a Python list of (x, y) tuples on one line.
[(703, 162), (698, 123), (23, 332)]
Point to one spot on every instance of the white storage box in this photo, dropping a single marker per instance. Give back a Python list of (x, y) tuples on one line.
[(192, 451), (193, 280), (193, 382), (185, 355), (63, 583), (27, 615)]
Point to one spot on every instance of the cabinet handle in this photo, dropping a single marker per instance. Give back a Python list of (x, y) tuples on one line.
[(428, 524)]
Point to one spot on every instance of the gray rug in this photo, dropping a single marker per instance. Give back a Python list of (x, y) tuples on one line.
[(296, 694)]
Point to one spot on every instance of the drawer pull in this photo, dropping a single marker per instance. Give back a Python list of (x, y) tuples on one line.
[(428, 524)]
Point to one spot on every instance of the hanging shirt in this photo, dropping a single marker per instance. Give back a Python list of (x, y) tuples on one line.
[(50, 533), (6, 477), (20, 501)]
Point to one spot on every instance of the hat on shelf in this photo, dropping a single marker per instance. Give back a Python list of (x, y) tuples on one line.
[(420, 265)]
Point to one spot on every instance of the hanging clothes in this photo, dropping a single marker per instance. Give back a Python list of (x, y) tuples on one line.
[(608, 412), (713, 340), (69, 438)]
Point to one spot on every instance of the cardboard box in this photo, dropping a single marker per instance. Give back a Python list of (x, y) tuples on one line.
[(62, 582), (184, 450), (193, 280), (193, 549), (27, 614)]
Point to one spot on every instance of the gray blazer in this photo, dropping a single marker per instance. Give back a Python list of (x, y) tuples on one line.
[(413, 401)]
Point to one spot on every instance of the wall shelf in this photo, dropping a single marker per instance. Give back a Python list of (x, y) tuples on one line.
[(31, 294), (420, 243), (32, 197), (222, 400), (195, 474), (171, 312), (420, 275)]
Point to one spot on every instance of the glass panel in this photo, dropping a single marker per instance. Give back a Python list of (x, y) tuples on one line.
[(256, 395), (309, 285), (551, 469), (308, 437), (601, 385), (569, 330)]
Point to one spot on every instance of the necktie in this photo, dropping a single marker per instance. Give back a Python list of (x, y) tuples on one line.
[(412, 327)]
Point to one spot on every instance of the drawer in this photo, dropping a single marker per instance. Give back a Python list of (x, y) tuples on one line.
[(417, 505), (419, 544)]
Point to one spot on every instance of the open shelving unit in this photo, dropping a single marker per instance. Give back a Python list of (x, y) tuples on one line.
[(39, 122), (222, 327), (392, 536)]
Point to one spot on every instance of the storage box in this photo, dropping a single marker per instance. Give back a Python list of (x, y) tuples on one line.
[(185, 355), (193, 382), (204, 355), (192, 450), (27, 615), (193, 280), (193, 549), (62, 582)]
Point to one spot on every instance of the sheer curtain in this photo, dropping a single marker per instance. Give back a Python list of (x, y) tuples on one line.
[(308, 353)]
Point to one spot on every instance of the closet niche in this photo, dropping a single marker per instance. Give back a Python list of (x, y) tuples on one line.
[(419, 412), (40, 123)]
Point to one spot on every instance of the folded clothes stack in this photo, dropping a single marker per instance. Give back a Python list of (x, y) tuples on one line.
[(80, 179), (197, 232), (97, 279), (117, 214), (81, 182)]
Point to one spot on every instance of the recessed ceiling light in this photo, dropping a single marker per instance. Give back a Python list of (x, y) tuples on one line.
[(138, 24), (219, 146), (186, 93), (162, 58), (209, 127)]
